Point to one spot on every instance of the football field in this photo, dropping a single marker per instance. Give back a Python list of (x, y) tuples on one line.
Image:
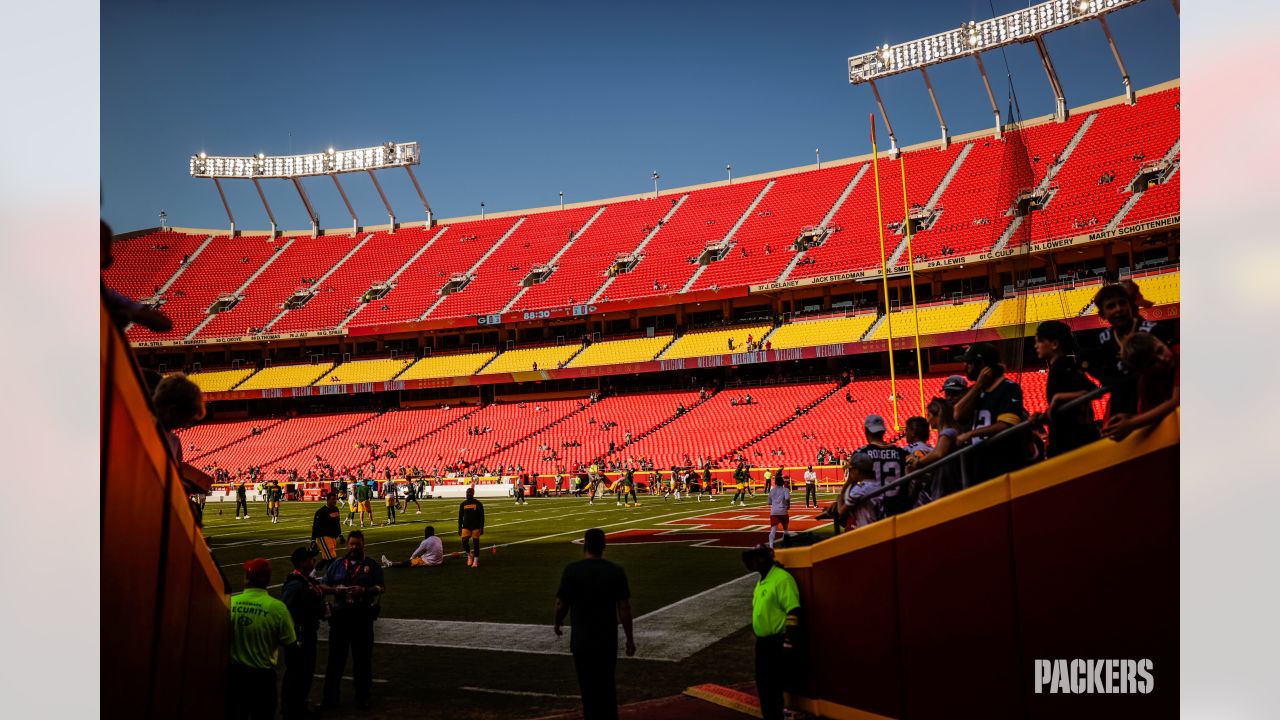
[(462, 642)]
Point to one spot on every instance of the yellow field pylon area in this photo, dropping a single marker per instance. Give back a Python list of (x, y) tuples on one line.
[(744, 703), (884, 273)]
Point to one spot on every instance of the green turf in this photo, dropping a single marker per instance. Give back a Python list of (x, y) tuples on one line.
[(515, 585)]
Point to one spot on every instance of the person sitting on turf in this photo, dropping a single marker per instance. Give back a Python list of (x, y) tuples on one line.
[(430, 552)]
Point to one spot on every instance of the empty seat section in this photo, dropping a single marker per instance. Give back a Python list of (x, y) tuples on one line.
[(221, 268), (582, 269), (524, 359), (971, 211), (455, 251), (1121, 140), (297, 268), (283, 376), (1031, 309), (934, 319), (201, 439), (855, 242), (828, 331), (1162, 289), (506, 423), (443, 366), (762, 246), (535, 242), (219, 380), (1160, 201), (669, 260), (620, 351), (285, 444), (140, 265), (836, 422), (340, 294), (363, 371), (717, 426), (714, 342), (368, 442), (588, 433)]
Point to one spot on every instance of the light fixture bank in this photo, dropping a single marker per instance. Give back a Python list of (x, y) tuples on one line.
[(329, 162)]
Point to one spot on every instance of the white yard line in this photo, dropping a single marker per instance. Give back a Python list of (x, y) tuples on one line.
[(668, 634), (522, 693)]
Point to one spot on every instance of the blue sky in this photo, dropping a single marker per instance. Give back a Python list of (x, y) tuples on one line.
[(514, 102)]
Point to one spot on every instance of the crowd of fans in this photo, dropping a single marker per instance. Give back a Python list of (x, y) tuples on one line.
[(982, 413)]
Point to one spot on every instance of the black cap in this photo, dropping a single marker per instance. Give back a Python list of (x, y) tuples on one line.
[(862, 462), (301, 554), (986, 352)]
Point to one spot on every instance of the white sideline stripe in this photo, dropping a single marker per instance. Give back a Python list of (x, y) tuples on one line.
[(666, 634), (523, 693), (348, 677)]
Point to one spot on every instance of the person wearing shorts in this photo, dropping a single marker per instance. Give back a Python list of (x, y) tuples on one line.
[(779, 507), (471, 527), (326, 531)]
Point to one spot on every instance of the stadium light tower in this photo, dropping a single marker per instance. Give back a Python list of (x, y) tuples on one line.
[(729, 169), (1028, 25), (655, 184), (293, 167), (561, 199), (817, 156)]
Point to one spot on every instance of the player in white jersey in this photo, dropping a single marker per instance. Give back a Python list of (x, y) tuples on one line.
[(430, 552)]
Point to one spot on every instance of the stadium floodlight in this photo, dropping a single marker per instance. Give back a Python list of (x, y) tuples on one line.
[(655, 176), (1019, 26), (330, 162), (1027, 25), (729, 169)]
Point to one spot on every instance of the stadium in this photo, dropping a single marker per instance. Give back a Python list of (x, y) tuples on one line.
[(732, 331)]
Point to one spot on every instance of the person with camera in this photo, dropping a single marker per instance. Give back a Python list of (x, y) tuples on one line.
[(356, 583)]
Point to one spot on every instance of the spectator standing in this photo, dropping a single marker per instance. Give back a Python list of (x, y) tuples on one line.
[(356, 583), (1067, 431), (1158, 369), (810, 487), (779, 507), (775, 615), (854, 506), (993, 404), (260, 626), (945, 479), (242, 499), (1100, 356), (889, 464), (471, 526), (595, 595), (304, 598)]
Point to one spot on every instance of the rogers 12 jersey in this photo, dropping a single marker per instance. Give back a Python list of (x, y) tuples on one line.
[(890, 464)]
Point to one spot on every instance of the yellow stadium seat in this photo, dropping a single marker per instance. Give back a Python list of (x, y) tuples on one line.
[(714, 342), (282, 376), (934, 319), (219, 380), (620, 351), (1162, 289), (1035, 308), (523, 359), (362, 371), (438, 366), (828, 331)]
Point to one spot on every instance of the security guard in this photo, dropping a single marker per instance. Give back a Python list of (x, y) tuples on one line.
[(775, 608), (356, 583), (260, 626)]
